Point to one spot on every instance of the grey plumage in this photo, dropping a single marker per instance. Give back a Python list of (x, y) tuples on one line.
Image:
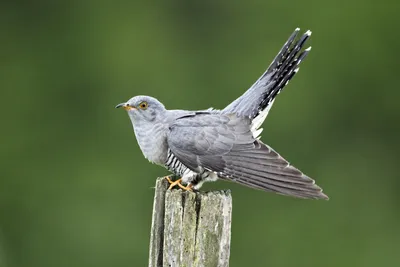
[(205, 145)]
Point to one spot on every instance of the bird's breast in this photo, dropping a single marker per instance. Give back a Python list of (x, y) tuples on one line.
[(153, 142)]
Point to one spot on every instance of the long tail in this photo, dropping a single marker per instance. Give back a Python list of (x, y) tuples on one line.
[(256, 102)]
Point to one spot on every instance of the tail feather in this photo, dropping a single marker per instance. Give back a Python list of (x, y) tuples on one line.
[(284, 72), (256, 102), (289, 60), (283, 53)]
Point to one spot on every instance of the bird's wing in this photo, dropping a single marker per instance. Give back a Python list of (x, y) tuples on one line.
[(257, 100), (225, 145)]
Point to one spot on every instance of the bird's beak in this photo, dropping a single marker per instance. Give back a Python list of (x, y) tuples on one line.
[(125, 106)]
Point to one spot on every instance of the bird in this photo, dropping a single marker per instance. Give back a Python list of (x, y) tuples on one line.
[(211, 144)]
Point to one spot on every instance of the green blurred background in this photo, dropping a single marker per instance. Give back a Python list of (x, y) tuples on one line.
[(75, 189)]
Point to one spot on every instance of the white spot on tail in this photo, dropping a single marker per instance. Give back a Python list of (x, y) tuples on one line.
[(257, 133), (258, 121), (308, 33)]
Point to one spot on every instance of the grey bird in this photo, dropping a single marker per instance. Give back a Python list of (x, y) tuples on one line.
[(205, 145)]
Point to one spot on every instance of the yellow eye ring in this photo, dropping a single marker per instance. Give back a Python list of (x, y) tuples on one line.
[(143, 105)]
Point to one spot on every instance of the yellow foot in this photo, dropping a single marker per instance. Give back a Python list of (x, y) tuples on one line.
[(178, 183), (168, 179), (173, 183)]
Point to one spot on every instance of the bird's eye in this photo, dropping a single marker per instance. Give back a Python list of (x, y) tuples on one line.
[(143, 105)]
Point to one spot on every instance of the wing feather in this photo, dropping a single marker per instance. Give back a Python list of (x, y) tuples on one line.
[(225, 145)]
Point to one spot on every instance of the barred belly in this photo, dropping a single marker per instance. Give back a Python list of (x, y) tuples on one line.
[(174, 165)]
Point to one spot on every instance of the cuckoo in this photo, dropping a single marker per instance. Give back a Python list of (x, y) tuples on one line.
[(211, 144)]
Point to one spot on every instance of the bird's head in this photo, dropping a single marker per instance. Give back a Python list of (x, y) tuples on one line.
[(143, 108)]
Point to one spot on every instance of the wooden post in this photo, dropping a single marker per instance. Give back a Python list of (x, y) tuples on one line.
[(190, 229)]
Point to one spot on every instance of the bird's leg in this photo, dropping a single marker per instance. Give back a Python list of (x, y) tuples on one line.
[(168, 179), (178, 183)]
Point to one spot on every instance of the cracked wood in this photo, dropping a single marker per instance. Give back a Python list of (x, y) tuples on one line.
[(190, 229)]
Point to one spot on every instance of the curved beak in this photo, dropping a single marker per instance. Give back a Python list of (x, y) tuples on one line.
[(125, 106)]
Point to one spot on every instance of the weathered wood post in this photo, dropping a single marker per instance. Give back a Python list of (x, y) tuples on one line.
[(190, 229)]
